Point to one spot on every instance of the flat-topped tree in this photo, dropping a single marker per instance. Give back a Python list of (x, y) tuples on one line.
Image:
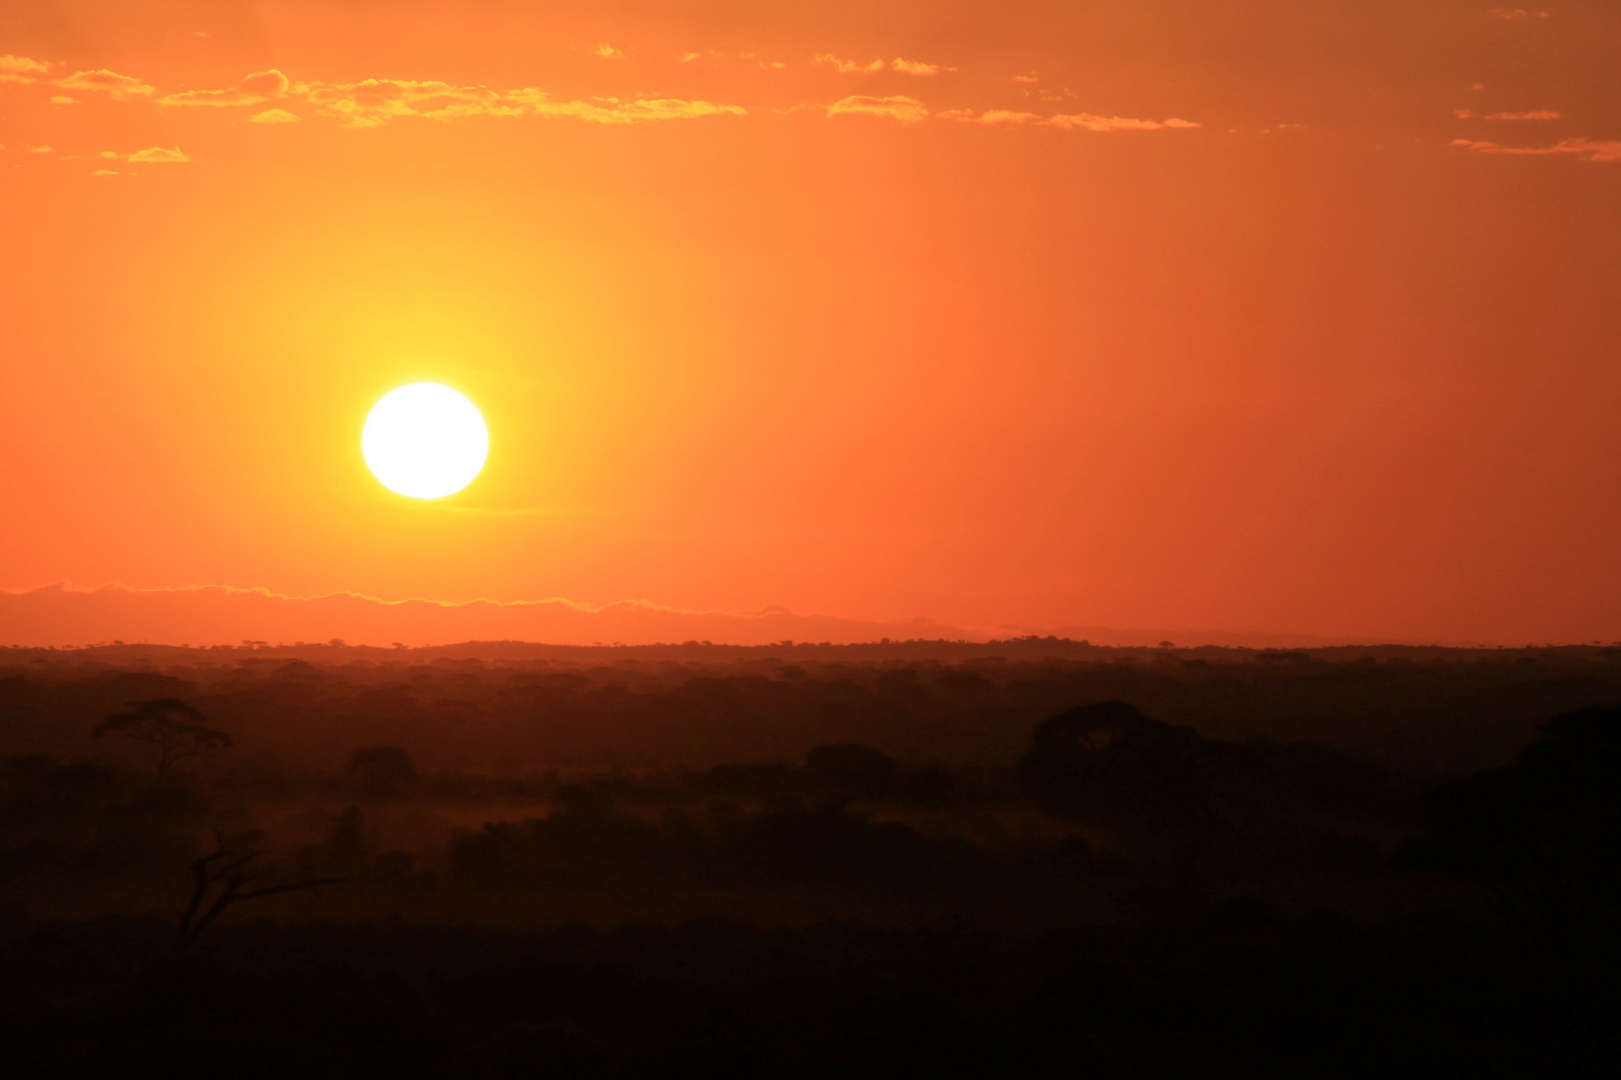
[(177, 729)]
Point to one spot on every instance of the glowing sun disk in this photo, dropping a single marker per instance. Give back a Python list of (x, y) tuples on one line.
[(425, 441)]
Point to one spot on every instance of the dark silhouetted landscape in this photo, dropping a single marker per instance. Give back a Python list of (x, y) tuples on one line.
[(826, 540), (1032, 857)]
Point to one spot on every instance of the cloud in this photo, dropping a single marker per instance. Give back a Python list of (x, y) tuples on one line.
[(374, 102), (1030, 78), (615, 111), (1537, 114), (63, 101), (608, 52), (22, 65), (1089, 122), (917, 67), (41, 150), (157, 155), (259, 87), (856, 67), (377, 101), (1517, 13), (106, 172), (990, 117), (848, 67), (116, 86), (1586, 148), (906, 110)]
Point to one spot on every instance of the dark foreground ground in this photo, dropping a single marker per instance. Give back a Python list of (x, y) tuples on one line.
[(1048, 860), (1222, 989)]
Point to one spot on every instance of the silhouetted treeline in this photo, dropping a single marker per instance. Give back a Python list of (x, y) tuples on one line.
[(1420, 713)]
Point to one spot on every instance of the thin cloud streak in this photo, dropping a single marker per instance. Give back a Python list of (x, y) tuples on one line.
[(1586, 148), (158, 155), (375, 102), (116, 86), (256, 89), (897, 107), (372, 103), (1089, 122), (991, 117)]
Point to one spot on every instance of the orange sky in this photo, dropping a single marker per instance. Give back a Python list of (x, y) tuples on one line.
[(1253, 316)]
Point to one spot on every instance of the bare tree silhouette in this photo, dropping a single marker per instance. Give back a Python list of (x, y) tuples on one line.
[(176, 728), (225, 876)]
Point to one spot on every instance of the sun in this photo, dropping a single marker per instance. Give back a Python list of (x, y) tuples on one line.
[(425, 441)]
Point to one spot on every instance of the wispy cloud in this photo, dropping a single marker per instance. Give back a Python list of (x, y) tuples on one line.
[(1089, 122), (116, 86), (607, 52), (1586, 148), (849, 67), (616, 111), (372, 103), (375, 102), (257, 88), (158, 155), (991, 117), (900, 64), (1535, 114), (917, 67), (21, 67), (906, 110), (1517, 13)]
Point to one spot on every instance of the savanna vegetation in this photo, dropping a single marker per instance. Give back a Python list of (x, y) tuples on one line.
[(1035, 857)]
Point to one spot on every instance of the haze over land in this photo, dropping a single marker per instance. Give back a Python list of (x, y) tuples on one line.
[(57, 615)]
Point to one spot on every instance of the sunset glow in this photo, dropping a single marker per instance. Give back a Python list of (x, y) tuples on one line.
[(1040, 317)]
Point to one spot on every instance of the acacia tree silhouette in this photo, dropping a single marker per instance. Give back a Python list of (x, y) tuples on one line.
[(176, 728), (226, 875), (1108, 760)]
